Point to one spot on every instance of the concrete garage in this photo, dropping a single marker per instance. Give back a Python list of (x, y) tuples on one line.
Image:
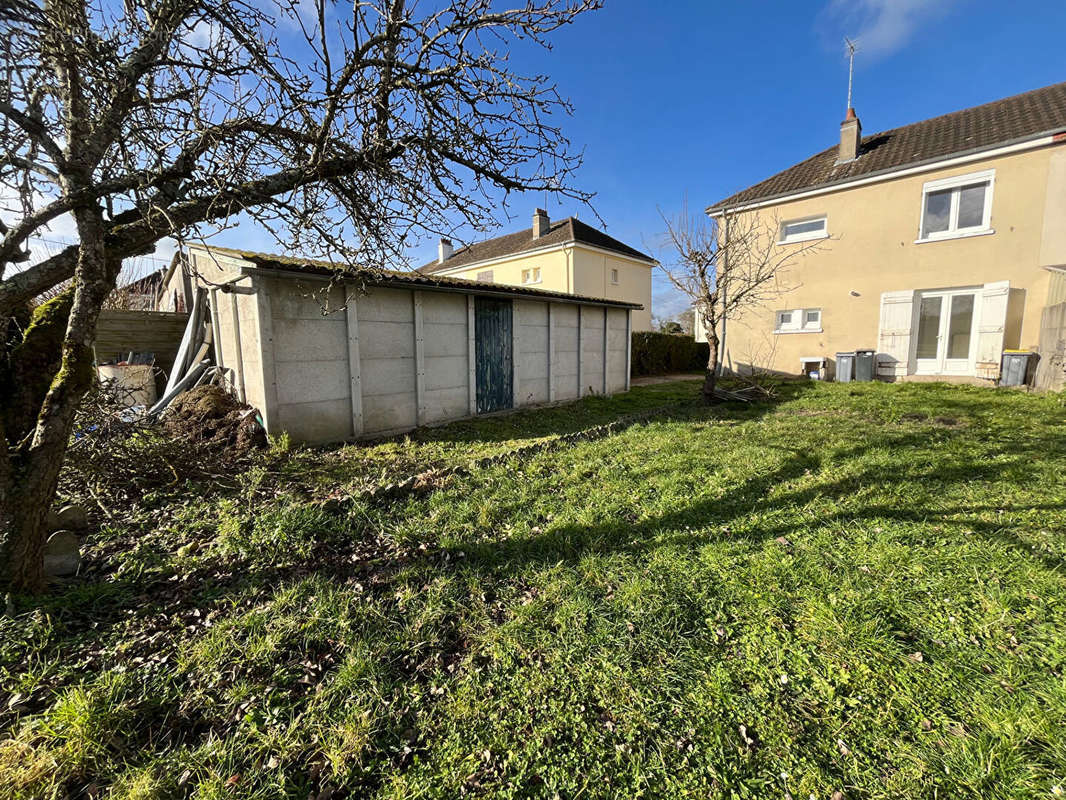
[(327, 358)]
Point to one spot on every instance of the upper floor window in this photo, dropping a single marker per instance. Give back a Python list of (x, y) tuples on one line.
[(959, 206), (614, 276), (485, 276), (798, 320), (803, 230), (531, 275)]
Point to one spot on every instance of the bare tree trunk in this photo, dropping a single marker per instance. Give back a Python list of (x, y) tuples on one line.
[(29, 477), (710, 377)]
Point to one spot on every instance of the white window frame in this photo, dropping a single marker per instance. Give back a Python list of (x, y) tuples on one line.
[(533, 273), (798, 321), (614, 276), (782, 238), (988, 177)]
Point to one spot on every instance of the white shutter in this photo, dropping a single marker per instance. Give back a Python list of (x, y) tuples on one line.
[(991, 323), (894, 334)]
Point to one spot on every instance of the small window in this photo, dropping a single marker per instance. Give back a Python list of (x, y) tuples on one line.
[(614, 276), (485, 276), (803, 230), (798, 320), (957, 206), (531, 275)]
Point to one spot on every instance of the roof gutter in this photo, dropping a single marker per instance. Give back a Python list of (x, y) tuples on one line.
[(940, 162)]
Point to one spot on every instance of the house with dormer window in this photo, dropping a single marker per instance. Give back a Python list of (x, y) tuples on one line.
[(941, 244)]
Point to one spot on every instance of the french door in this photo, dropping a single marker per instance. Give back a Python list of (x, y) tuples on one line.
[(947, 332)]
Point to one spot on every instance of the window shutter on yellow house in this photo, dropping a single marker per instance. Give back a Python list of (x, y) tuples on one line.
[(894, 333), (991, 325)]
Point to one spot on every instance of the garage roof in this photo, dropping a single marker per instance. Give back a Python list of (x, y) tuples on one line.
[(296, 266)]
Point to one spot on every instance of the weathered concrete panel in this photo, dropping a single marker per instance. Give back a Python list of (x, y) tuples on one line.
[(318, 422), (386, 305), (592, 351), (312, 381), (389, 412), (529, 312), (533, 391), (446, 339), (443, 308), (388, 376), (310, 300), (321, 339), (446, 372), (616, 350), (386, 339), (446, 404)]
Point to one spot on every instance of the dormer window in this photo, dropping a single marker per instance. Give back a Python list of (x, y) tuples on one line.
[(803, 230), (959, 206)]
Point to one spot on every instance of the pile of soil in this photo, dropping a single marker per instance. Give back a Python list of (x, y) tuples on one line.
[(210, 415)]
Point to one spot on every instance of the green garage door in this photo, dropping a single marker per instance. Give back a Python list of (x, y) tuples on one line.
[(493, 353)]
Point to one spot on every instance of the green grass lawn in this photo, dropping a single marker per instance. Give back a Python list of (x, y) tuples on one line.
[(858, 588)]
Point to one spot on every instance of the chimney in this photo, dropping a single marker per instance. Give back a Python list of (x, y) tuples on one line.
[(541, 223), (850, 137), (444, 250)]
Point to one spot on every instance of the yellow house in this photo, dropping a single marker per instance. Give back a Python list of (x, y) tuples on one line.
[(562, 256), (939, 244)]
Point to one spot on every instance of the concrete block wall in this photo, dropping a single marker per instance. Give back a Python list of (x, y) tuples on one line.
[(617, 350), (309, 349), (531, 356), (392, 359), (387, 359), (564, 351), (592, 333), (445, 335)]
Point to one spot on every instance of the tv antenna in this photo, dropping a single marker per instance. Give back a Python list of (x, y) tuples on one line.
[(851, 47)]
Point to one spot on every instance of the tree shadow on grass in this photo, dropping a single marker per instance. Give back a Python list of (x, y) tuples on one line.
[(573, 542)]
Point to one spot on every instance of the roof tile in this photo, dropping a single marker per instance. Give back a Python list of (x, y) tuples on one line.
[(1023, 116)]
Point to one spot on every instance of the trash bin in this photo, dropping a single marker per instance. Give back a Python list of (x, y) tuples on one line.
[(864, 365), (1016, 368), (845, 367)]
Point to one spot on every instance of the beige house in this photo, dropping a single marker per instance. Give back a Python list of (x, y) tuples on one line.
[(563, 256), (941, 243)]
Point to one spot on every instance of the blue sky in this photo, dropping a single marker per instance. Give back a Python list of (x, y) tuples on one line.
[(695, 98), (681, 97)]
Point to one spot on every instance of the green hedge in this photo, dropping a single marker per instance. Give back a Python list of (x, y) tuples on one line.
[(662, 353)]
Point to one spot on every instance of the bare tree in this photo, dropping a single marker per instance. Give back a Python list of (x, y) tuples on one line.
[(724, 265), (344, 129)]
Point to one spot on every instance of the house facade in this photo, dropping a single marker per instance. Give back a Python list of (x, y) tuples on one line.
[(937, 245), (560, 256)]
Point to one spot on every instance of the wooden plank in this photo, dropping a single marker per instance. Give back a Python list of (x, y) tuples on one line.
[(551, 355), (237, 348), (420, 359), (471, 347), (355, 370), (120, 332)]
